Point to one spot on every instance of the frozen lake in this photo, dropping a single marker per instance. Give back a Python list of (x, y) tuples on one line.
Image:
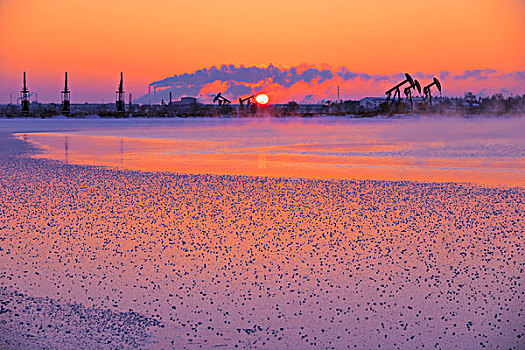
[(488, 151)]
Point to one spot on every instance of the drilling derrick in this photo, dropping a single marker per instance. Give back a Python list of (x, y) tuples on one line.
[(120, 95), (428, 92), (24, 97), (66, 101)]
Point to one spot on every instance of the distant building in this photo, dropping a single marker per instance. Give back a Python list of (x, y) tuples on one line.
[(371, 103), (351, 106), (188, 100), (185, 101)]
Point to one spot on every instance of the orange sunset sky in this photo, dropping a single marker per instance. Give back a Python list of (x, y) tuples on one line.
[(151, 40)]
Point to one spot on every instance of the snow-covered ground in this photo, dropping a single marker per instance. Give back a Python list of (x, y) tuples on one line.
[(95, 257)]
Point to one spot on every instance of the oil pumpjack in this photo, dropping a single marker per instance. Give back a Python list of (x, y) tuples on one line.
[(248, 101), (397, 91), (221, 100), (24, 97), (120, 95), (428, 92), (66, 101), (408, 91)]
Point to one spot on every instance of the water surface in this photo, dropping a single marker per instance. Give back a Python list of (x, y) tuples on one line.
[(480, 150)]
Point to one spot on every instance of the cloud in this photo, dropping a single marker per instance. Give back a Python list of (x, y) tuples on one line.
[(346, 74), (443, 75), (478, 74), (310, 83), (238, 90), (308, 98), (517, 75), (420, 76)]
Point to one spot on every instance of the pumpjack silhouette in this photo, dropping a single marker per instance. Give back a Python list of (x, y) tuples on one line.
[(248, 101), (221, 100), (428, 92), (408, 92), (396, 90)]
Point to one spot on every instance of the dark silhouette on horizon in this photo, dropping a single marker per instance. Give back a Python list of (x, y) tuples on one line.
[(120, 95), (24, 96)]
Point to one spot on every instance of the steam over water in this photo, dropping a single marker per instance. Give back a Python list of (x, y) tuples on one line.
[(486, 151)]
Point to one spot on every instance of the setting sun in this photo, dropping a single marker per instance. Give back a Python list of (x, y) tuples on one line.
[(262, 99)]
